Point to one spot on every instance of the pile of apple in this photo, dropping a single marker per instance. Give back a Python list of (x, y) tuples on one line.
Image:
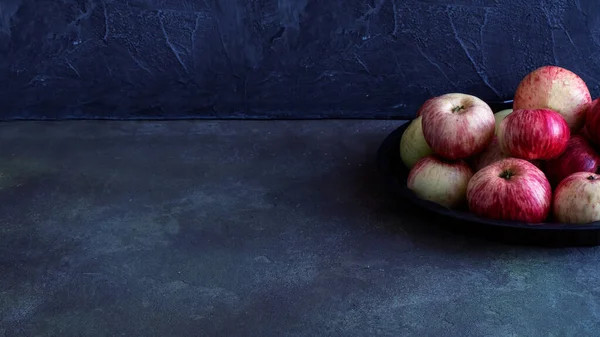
[(534, 163)]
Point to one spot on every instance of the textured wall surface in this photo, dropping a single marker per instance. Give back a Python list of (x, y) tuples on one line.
[(279, 58)]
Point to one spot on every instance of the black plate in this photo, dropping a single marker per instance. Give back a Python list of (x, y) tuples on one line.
[(395, 174)]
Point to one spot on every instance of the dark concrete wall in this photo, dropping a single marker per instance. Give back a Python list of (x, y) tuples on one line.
[(279, 58)]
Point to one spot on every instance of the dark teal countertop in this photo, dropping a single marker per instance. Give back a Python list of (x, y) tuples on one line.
[(253, 229)]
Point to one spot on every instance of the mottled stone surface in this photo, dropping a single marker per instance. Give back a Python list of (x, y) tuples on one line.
[(279, 58), (253, 229)]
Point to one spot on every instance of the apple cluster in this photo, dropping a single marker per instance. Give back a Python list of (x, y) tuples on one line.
[(534, 163)]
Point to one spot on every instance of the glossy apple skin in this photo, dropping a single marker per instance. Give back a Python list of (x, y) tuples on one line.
[(592, 125), (533, 134), (576, 199), (525, 196), (441, 181), (579, 156), (555, 88), (413, 145), (454, 132)]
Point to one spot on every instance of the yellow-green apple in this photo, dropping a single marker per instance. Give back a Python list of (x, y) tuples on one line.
[(556, 88), (440, 180), (577, 199), (499, 117), (533, 134), (579, 156), (457, 126), (592, 125), (510, 189), (413, 145)]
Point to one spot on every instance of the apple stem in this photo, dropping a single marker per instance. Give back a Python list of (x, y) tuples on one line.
[(506, 174), (457, 108)]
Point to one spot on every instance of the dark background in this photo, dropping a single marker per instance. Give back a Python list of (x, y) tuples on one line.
[(279, 58)]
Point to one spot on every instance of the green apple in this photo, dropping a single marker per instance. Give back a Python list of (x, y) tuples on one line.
[(413, 145), (499, 116)]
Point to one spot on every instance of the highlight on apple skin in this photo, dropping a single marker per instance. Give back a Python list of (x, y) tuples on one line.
[(577, 199), (510, 189), (413, 145), (555, 88), (579, 156), (441, 181), (533, 134), (457, 126)]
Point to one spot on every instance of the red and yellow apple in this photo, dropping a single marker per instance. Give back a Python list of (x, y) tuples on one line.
[(457, 126), (576, 199), (510, 189), (579, 156), (533, 134), (555, 88), (441, 181)]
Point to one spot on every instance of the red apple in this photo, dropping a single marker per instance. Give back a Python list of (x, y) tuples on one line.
[(577, 199), (510, 189), (579, 156), (555, 88), (441, 181), (592, 125), (457, 126), (533, 134)]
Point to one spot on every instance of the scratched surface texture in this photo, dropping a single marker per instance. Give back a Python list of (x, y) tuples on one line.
[(279, 58)]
